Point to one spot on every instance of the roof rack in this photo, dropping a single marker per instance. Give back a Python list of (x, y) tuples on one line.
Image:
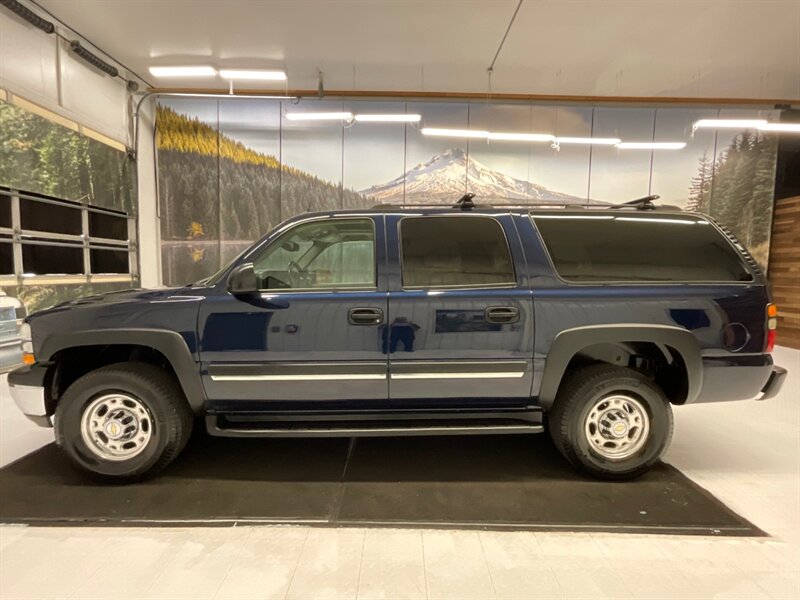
[(466, 203)]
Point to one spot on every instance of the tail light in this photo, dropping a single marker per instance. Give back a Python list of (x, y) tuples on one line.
[(772, 326)]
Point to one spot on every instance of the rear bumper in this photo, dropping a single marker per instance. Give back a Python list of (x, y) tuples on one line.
[(774, 383), (28, 392), (746, 377)]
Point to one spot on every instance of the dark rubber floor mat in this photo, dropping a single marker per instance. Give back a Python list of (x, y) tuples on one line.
[(502, 482)]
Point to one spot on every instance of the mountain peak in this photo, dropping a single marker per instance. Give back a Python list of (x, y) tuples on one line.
[(452, 173), (455, 153)]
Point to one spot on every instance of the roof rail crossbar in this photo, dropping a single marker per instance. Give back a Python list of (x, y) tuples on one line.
[(645, 203)]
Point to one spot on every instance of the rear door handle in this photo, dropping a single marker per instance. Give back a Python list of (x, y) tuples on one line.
[(502, 314), (365, 316)]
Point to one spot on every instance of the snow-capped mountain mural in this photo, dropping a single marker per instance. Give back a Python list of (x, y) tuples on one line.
[(448, 175)]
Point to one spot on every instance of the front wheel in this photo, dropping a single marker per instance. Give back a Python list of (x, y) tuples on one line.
[(123, 422), (611, 422)]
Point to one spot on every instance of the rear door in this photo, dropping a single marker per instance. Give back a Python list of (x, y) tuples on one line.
[(460, 327), (313, 333)]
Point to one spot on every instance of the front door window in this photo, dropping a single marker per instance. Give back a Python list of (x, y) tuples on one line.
[(320, 255)]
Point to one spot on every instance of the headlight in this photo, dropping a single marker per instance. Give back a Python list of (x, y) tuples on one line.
[(27, 344)]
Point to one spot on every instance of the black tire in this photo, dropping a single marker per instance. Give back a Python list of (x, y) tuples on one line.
[(169, 424), (581, 392)]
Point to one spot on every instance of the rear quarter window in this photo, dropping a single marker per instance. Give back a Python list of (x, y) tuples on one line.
[(629, 248)]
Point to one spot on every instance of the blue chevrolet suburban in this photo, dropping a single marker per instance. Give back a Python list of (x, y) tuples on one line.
[(588, 322)]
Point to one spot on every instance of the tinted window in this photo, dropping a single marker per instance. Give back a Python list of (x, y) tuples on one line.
[(52, 218), (454, 251), (6, 258), (109, 261), (52, 260), (330, 253), (5, 211), (627, 247), (104, 225)]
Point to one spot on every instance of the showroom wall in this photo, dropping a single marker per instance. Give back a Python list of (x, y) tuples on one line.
[(231, 169)]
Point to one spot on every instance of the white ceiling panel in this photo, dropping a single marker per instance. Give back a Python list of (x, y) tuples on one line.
[(711, 48)]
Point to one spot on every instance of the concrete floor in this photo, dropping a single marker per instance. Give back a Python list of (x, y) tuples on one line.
[(746, 453)]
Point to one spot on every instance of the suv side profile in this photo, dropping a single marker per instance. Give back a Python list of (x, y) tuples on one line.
[(589, 322)]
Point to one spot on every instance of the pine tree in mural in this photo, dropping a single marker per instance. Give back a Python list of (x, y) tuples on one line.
[(700, 188), (742, 192), (232, 193), (37, 155)]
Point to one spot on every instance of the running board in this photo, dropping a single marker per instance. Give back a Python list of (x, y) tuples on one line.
[(219, 426)]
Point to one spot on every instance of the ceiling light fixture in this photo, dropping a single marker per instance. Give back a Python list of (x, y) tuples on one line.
[(522, 137), (198, 71), (729, 124), (398, 118), (651, 145), (320, 116), (253, 74), (781, 127), (589, 140), (465, 133)]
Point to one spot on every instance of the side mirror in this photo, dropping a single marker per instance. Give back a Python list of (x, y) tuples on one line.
[(242, 280)]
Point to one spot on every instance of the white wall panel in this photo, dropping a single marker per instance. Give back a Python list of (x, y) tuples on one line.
[(97, 99), (30, 62), (27, 60)]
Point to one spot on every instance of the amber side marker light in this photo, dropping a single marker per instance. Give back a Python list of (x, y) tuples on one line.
[(28, 359), (772, 326)]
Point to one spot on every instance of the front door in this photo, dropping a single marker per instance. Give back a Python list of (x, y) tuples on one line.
[(313, 333), (460, 328)]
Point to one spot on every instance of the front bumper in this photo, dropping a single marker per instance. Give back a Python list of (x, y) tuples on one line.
[(28, 392), (774, 383)]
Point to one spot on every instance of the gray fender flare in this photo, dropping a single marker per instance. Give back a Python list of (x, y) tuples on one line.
[(169, 343), (571, 341)]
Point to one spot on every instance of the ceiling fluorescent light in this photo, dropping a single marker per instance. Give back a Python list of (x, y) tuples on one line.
[(183, 71), (729, 123), (320, 116), (398, 118), (781, 127), (253, 74), (465, 133), (522, 137), (651, 145), (589, 140)]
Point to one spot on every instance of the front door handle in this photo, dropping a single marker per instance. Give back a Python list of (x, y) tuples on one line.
[(365, 316), (502, 314)]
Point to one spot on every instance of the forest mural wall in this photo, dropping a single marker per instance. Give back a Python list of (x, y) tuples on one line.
[(40, 156), (230, 170)]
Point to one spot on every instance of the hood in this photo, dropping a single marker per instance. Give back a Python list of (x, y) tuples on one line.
[(110, 298)]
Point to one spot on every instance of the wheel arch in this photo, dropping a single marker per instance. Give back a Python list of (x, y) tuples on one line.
[(169, 344), (677, 346)]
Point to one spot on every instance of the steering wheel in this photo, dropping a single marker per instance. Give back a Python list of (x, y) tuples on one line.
[(296, 272)]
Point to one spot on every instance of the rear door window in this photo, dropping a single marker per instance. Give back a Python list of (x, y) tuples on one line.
[(629, 248), (454, 251)]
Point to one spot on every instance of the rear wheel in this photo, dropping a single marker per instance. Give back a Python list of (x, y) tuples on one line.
[(611, 422), (123, 422)]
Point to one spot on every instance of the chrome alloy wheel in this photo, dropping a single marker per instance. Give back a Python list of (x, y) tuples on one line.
[(617, 427), (116, 426)]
